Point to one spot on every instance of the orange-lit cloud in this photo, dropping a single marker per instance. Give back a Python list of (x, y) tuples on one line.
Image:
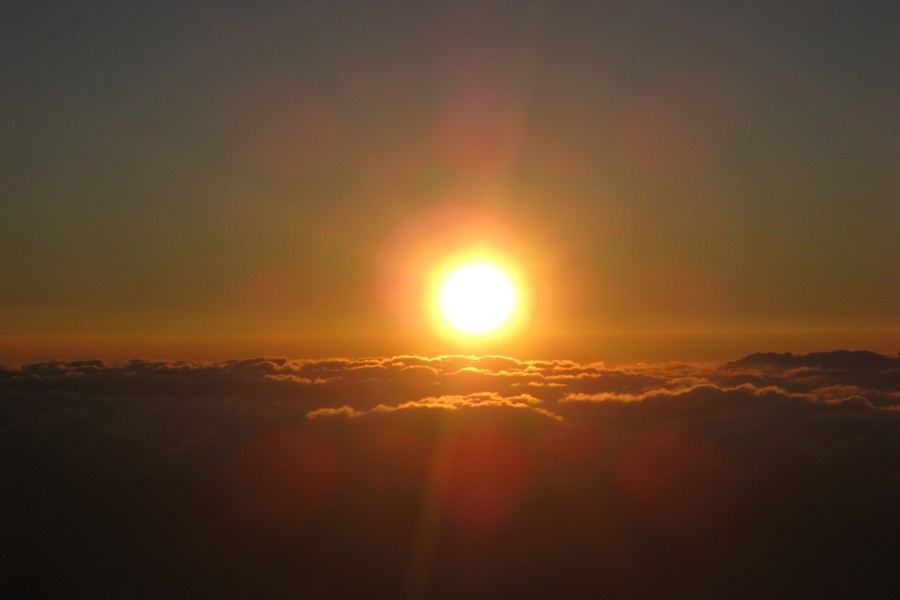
[(447, 402)]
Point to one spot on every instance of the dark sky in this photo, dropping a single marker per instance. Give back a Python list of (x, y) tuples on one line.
[(230, 173)]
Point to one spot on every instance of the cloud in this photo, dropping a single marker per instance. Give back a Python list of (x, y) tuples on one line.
[(448, 402), (774, 474)]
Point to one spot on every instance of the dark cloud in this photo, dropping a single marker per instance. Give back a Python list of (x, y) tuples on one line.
[(452, 476)]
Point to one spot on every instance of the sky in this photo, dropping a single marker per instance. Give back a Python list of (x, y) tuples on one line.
[(675, 180), (228, 366)]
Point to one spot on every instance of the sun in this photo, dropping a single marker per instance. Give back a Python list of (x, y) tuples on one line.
[(477, 298)]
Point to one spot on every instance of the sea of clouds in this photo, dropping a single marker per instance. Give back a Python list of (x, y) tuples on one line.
[(774, 475)]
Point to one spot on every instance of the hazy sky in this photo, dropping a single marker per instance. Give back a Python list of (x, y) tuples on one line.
[(213, 173)]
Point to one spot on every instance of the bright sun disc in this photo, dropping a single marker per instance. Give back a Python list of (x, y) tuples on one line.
[(477, 298)]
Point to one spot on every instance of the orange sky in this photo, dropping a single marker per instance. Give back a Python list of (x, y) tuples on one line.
[(694, 182)]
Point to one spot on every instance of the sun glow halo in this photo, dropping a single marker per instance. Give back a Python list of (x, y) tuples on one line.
[(477, 298)]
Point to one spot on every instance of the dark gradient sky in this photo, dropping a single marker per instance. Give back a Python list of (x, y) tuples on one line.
[(207, 174)]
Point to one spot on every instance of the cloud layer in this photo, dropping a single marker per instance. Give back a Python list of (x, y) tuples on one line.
[(452, 476)]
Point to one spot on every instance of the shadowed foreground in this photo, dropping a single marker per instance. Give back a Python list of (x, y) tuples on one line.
[(774, 475)]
